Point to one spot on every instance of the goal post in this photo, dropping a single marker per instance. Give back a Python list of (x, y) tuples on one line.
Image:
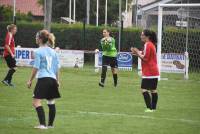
[(180, 21)]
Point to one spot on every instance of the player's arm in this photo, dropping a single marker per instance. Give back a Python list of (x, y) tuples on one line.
[(144, 56), (140, 55), (58, 77), (147, 51), (7, 45), (99, 47), (112, 43), (133, 51), (106, 44), (9, 50), (36, 66), (58, 70), (33, 74), (136, 52)]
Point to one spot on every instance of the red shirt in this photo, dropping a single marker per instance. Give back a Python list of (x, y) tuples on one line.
[(9, 40), (149, 63)]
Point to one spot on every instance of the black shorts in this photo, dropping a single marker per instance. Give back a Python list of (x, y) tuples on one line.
[(46, 88), (11, 62), (149, 84), (109, 61)]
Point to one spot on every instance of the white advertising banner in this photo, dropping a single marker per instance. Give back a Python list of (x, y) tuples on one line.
[(172, 63), (24, 56), (68, 58), (124, 60), (71, 58)]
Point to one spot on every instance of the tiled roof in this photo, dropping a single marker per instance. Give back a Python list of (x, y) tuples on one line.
[(25, 6)]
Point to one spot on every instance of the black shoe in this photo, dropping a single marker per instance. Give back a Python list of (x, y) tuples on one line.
[(115, 85), (101, 84)]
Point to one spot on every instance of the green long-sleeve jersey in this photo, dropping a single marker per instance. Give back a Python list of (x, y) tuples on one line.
[(108, 47)]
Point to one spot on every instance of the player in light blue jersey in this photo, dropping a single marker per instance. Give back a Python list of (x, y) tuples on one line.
[(46, 70)]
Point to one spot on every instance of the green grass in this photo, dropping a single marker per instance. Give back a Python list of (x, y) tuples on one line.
[(87, 109)]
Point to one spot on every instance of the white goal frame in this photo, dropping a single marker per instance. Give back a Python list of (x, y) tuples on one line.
[(159, 44)]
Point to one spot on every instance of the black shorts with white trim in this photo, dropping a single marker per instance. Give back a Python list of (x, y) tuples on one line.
[(109, 61), (149, 83)]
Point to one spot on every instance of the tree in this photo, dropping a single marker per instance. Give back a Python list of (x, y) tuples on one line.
[(6, 14)]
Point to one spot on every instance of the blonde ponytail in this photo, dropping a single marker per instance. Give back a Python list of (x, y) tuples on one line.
[(10, 27), (47, 37), (51, 40)]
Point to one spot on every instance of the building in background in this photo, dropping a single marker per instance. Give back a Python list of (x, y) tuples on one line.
[(26, 6), (147, 12)]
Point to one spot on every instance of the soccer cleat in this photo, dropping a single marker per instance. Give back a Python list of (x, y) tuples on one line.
[(148, 110), (5, 82), (11, 85), (115, 85), (40, 127), (101, 84), (50, 127)]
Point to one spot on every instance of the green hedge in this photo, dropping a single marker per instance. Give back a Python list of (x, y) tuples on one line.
[(71, 36)]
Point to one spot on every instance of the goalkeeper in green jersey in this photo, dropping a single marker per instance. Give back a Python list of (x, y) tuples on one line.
[(109, 58)]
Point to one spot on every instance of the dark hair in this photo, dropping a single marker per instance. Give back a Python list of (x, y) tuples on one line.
[(108, 30), (46, 37), (151, 34)]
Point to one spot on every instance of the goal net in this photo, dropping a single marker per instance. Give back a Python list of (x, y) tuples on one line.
[(178, 45)]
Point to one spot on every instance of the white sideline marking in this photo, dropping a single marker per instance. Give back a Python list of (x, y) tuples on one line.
[(140, 116), (196, 122)]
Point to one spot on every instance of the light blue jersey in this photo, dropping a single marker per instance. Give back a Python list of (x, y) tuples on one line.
[(47, 62)]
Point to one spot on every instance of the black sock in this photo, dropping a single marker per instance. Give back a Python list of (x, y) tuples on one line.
[(103, 74), (9, 75), (147, 99), (41, 115), (154, 100), (52, 114), (115, 79)]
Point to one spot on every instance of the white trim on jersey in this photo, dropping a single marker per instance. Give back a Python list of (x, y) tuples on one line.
[(145, 47), (150, 77), (10, 37)]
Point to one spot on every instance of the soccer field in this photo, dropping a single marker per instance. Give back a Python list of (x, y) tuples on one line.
[(85, 108)]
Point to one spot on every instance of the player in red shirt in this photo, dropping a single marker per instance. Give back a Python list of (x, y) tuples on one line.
[(9, 54), (150, 73)]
